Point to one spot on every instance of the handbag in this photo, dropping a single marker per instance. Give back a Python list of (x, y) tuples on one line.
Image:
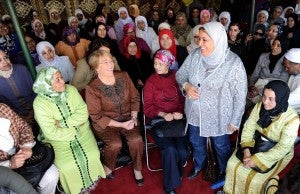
[(212, 170), (35, 167), (163, 128), (262, 144)]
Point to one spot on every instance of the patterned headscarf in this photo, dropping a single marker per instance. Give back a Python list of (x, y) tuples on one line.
[(172, 49), (282, 93), (166, 57), (217, 33), (66, 32), (43, 86)]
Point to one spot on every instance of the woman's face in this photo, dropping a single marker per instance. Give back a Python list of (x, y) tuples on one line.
[(101, 32), (269, 99), (38, 27), (180, 21), (141, 25), (3, 29), (261, 18), (224, 21), (72, 37), (258, 34), (105, 66), (205, 18), (74, 24), (170, 13), (160, 67), (290, 22), (5, 64), (123, 15), (233, 32), (206, 43), (30, 43), (55, 15), (58, 83), (48, 54), (132, 48), (195, 13), (272, 33), (165, 41), (276, 47)]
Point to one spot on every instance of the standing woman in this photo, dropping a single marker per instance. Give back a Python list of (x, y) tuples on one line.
[(163, 98), (63, 117), (215, 83), (113, 104)]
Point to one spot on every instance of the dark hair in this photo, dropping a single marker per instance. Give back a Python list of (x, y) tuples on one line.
[(95, 45)]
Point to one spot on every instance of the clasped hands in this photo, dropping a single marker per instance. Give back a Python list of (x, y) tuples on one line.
[(171, 116), (247, 161)]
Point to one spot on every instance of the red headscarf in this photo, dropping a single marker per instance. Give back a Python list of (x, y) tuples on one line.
[(127, 41), (128, 26), (172, 49)]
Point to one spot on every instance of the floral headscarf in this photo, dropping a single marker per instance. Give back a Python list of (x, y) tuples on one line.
[(166, 57), (43, 86)]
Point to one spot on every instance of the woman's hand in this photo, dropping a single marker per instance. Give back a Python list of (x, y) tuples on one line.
[(252, 92), (27, 152), (17, 160), (177, 115), (192, 92), (232, 128), (248, 162), (128, 124)]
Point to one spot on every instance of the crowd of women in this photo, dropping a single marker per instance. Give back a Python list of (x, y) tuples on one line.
[(204, 70)]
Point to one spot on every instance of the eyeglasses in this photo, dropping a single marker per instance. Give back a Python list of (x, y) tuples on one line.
[(258, 33)]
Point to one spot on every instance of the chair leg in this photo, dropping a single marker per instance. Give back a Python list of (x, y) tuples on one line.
[(147, 155)]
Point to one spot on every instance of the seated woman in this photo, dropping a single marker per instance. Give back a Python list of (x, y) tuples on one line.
[(63, 118), (277, 122), (136, 62), (17, 140), (72, 45), (167, 42), (84, 74), (268, 67), (163, 98), (113, 104), (48, 58)]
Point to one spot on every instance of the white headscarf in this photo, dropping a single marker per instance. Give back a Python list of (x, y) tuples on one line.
[(127, 19), (193, 44), (84, 20), (263, 12), (143, 33), (39, 49), (225, 14), (217, 33), (41, 35)]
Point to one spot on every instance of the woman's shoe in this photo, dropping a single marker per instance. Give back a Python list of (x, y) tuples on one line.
[(139, 182), (110, 176), (171, 192)]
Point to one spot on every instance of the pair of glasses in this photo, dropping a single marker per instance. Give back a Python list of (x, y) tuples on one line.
[(258, 33)]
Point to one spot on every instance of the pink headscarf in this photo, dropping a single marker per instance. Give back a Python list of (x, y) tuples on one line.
[(166, 57)]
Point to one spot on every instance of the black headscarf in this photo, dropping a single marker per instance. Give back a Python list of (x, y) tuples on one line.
[(282, 93)]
